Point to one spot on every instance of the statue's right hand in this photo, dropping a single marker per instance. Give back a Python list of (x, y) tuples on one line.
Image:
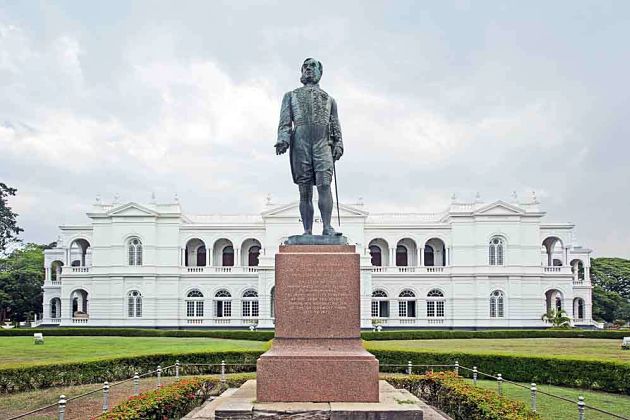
[(281, 147)]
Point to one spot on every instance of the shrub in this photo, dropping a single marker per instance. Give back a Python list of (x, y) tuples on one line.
[(172, 401), (592, 374), (491, 334), (139, 332), (46, 376), (460, 400)]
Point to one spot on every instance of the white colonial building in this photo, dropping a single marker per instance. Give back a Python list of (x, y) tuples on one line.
[(474, 265)]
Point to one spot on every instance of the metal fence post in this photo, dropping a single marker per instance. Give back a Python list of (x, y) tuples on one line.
[(533, 389), (177, 369), (409, 368), (580, 408), (456, 367), (159, 376), (62, 406), (475, 375), (105, 397), (136, 384), (222, 370), (499, 384)]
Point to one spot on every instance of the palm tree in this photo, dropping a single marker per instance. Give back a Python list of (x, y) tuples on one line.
[(557, 318)]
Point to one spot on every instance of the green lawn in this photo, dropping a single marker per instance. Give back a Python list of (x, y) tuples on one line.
[(577, 348), (20, 351), (555, 409)]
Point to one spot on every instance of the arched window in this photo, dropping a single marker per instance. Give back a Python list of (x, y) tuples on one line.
[(496, 251), (201, 256), (134, 304), (135, 251), (253, 256), (250, 304), (380, 304), (228, 256), (435, 303), (223, 304), (375, 253), (55, 270), (429, 255), (55, 308), (194, 303), (496, 304), (401, 256), (407, 304)]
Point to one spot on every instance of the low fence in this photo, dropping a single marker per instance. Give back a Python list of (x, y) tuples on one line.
[(222, 369)]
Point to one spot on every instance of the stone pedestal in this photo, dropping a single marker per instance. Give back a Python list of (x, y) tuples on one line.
[(317, 355)]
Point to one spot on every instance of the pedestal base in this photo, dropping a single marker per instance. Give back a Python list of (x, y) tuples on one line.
[(241, 404), (317, 371)]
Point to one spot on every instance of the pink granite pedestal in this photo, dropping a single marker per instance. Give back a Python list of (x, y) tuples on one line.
[(317, 355)]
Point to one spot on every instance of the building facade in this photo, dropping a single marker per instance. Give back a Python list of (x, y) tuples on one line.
[(475, 265)]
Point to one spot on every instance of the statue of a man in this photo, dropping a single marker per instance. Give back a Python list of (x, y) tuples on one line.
[(310, 128)]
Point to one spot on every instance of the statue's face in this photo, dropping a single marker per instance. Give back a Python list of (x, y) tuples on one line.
[(310, 72)]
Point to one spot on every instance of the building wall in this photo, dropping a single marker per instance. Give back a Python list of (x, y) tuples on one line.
[(467, 280)]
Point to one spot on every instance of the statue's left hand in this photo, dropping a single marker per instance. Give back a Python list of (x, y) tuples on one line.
[(337, 152), (281, 147)]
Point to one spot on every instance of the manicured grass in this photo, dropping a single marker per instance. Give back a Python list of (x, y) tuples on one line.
[(556, 409), (20, 351), (567, 348)]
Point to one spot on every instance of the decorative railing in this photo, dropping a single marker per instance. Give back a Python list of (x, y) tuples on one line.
[(55, 283), (218, 269), (407, 269), (178, 369), (552, 269), (79, 320)]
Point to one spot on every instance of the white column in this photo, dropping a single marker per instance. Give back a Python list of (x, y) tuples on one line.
[(421, 252), (208, 257), (447, 260), (566, 256), (47, 274), (587, 275), (392, 257)]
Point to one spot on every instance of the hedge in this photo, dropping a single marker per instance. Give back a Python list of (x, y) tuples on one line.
[(171, 401), (460, 400), (598, 375), (37, 377), (368, 335), (139, 332), (492, 334)]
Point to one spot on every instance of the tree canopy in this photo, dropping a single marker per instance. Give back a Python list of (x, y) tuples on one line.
[(9, 230), (611, 288), (21, 281), (612, 274)]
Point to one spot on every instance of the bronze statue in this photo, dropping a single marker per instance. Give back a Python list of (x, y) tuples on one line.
[(309, 128)]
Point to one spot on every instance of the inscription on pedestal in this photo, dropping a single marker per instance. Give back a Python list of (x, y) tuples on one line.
[(323, 304)]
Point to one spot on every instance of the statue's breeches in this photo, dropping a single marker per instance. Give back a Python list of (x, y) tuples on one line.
[(310, 153)]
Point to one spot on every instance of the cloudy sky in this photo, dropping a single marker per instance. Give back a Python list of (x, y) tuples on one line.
[(437, 97)]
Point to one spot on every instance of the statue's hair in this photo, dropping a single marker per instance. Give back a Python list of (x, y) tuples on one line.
[(319, 64)]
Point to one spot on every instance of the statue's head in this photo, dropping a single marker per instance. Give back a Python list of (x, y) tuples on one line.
[(311, 71)]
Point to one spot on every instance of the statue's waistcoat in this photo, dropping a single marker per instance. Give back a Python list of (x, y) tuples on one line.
[(310, 105)]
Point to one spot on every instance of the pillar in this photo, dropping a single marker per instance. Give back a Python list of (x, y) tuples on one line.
[(392, 257), (447, 258), (421, 260), (587, 275)]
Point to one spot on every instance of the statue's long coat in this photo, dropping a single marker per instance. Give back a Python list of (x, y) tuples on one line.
[(310, 125)]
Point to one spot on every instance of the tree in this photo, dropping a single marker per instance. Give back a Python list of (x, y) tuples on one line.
[(612, 275), (21, 281), (9, 229), (609, 306), (557, 318)]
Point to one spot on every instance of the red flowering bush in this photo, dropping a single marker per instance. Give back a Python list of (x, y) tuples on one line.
[(460, 400), (172, 401)]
